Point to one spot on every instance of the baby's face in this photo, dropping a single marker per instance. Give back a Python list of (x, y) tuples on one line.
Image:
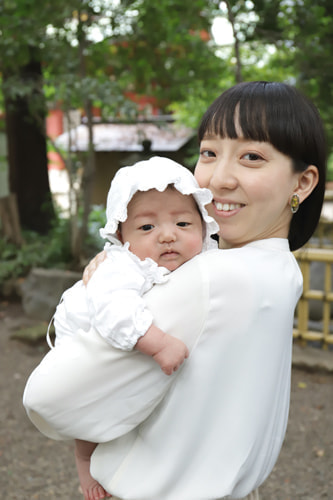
[(166, 227)]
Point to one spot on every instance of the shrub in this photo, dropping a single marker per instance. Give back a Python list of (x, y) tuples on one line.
[(51, 250)]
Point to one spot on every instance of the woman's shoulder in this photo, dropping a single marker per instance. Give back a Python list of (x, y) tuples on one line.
[(256, 249), (267, 262), (268, 259)]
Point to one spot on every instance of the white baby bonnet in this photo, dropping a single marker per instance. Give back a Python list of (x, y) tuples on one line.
[(155, 173)]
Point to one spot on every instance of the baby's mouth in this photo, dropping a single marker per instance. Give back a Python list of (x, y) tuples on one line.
[(170, 251)]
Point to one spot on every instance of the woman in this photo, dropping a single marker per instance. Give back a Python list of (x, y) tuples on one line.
[(214, 430)]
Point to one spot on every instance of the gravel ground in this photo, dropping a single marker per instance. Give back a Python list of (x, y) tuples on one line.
[(33, 467)]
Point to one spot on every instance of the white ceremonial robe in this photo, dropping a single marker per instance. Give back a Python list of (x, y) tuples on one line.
[(112, 302), (215, 428)]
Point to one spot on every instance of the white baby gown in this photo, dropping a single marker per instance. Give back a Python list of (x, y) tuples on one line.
[(112, 302)]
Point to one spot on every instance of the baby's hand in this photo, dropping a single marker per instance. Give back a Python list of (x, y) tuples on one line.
[(169, 352), (171, 355)]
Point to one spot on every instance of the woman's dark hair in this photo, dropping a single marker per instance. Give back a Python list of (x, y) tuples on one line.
[(279, 114)]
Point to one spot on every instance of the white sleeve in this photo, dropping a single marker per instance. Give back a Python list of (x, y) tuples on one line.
[(116, 307)]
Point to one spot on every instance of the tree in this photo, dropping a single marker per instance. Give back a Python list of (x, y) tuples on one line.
[(25, 114), (302, 34), (157, 48), (238, 14)]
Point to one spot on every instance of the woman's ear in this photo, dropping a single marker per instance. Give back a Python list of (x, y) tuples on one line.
[(307, 181)]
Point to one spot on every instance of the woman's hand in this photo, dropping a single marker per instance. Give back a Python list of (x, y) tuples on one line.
[(92, 266)]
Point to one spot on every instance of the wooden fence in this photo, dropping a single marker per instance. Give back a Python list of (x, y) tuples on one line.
[(304, 329)]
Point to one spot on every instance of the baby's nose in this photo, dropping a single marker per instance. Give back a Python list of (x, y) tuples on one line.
[(167, 233)]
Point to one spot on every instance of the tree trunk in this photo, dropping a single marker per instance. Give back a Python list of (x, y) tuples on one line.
[(27, 153), (232, 21), (89, 163)]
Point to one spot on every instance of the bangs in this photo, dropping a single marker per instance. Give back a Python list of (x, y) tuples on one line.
[(260, 111), (236, 116)]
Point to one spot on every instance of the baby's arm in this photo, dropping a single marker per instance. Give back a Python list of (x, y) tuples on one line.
[(168, 351), (111, 319)]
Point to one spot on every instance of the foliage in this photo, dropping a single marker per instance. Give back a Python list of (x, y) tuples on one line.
[(170, 60), (330, 168), (49, 251), (162, 48), (302, 32), (98, 52), (156, 47)]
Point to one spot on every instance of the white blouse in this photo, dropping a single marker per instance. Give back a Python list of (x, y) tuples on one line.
[(215, 428), (112, 302)]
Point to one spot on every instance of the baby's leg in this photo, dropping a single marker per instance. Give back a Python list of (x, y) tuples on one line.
[(91, 489)]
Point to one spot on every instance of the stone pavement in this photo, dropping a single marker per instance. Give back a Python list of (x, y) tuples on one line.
[(312, 359)]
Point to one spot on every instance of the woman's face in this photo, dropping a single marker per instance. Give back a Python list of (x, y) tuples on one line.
[(252, 184)]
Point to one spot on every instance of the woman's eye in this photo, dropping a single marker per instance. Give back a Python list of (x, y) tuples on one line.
[(146, 227), (252, 157), (207, 153), (183, 224)]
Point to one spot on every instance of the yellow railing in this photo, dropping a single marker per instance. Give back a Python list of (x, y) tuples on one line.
[(303, 331)]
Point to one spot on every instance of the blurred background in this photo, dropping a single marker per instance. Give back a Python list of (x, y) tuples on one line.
[(88, 86)]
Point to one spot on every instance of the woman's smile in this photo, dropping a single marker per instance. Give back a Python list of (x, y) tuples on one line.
[(226, 208), (251, 192)]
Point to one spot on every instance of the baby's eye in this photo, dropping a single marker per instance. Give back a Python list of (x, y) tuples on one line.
[(146, 227), (183, 224)]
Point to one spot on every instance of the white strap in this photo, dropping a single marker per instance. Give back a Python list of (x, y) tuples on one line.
[(48, 338)]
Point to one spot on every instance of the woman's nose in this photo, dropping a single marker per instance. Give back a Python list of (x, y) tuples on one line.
[(224, 175)]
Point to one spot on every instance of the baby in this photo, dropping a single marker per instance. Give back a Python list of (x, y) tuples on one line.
[(156, 221)]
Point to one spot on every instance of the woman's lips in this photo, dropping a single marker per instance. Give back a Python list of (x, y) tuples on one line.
[(227, 207), (225, 210)]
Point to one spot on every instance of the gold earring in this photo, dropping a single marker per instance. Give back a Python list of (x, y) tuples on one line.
[(294, 203)]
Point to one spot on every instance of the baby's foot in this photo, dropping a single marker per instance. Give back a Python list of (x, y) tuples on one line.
[(90, 488), (93, 490)]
